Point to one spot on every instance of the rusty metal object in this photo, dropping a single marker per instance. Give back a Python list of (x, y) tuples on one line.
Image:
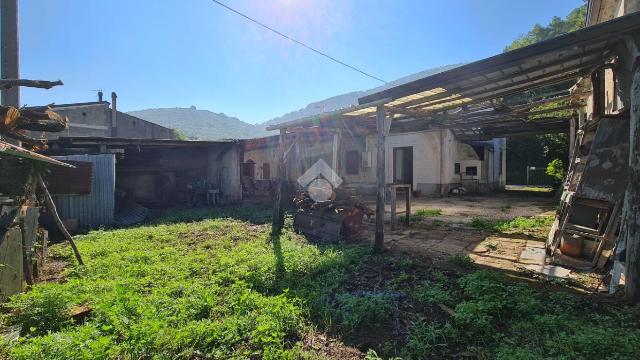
[(329, 221)]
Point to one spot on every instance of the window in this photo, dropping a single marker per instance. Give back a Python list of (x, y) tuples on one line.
[(249, 168), (352, 162), (456, 168), (266, 171), (471, 171)]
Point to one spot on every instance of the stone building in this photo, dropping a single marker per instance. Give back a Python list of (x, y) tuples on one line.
[(102, 119)]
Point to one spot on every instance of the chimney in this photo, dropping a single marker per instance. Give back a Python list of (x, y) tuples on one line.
[(100, 96), (114, 111)]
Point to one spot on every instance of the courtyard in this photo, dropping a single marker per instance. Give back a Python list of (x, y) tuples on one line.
[(213, 283)]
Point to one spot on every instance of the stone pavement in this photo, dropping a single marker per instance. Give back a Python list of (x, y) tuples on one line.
[(509, 252)]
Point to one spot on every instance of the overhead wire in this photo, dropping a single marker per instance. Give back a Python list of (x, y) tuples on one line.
[(297, 41)]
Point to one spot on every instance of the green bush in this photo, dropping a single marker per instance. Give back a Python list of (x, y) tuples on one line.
[(39, 311), (555, 169)]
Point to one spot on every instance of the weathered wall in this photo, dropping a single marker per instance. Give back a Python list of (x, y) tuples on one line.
[(433, 166), (86, 120), (132, 127), (94, 119), (426, 159), (224, 171), (605, 10), (161, 177)]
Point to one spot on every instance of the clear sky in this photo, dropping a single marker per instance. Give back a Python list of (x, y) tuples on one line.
[(178, 53)]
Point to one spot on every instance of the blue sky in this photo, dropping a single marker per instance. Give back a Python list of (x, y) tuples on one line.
[(178, 53)]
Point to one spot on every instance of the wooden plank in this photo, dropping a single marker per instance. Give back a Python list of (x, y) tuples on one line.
[(631, 209), (11, 271), (380, 175)]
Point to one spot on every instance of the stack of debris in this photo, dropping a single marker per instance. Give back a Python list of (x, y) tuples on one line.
[(22, 176), (329, 221)]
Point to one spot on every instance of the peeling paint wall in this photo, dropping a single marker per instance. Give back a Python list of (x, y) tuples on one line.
[(434, 156)]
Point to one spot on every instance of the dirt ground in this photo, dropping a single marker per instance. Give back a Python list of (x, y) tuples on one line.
[(443, 237), (464, 208)]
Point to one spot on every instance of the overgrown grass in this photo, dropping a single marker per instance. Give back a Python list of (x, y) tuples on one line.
[(191, 287), (535, 225), (422, 214)]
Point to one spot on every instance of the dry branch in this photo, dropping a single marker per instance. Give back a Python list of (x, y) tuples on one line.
[(6, 84), (58, 221)]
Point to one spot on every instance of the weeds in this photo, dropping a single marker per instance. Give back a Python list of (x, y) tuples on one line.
[(462, 260), (367, 309), (491, 246), (185, 288), (422, 214), (536, 225)]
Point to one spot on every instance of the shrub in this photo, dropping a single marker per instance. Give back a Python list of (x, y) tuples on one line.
[(43, 309)]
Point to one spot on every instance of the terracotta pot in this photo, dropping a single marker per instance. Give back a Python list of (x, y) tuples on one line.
[(571, 246)]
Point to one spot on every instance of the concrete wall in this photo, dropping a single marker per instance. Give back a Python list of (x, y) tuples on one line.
[(132, 127), (94, 119), (91, 119), (224, 170), (161, 177), (434, 156)]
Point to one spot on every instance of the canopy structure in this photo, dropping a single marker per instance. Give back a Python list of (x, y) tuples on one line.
[(479, 100), (536, 89)]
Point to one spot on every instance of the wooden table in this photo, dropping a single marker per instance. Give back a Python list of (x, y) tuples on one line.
[(394, 190)]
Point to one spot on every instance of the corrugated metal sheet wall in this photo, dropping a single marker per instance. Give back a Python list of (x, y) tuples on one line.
[(96, 209)]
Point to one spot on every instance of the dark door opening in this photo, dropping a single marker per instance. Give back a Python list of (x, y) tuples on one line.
[(403, 165)]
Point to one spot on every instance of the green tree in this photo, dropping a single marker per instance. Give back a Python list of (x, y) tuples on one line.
[(179, 135), (574, 21), (541, 150)]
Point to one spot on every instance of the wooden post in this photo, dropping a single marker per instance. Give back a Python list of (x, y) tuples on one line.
[(278, 215), (631, 210), (334, 153), (572, 138), (407, 219), (380, 175), (9, 51), (392, 204)]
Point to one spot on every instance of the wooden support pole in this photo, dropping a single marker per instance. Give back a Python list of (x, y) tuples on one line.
[(334, 153), (9, 50), (631, 210), (407, 218), (54, 213), (278, 213), (572, 138), (380, 175), (392, 205)]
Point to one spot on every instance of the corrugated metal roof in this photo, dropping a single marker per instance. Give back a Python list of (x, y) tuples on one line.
[(16, 151), (96, 209), (456, 99)]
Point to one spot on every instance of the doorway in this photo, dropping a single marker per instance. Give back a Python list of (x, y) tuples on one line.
[(403, 165)]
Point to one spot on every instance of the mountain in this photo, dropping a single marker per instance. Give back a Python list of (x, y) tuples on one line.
[(201, 124), (345, 100), (207, 125)]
